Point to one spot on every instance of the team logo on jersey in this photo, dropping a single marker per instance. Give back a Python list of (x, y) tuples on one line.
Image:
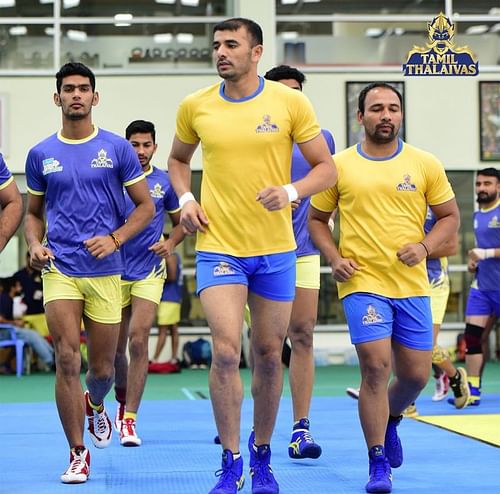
[(222, 269), (157, 192), (406, 185), (102, 160), (267, 127), (494, 223), (441, 56), (51, 165), (371, 316)]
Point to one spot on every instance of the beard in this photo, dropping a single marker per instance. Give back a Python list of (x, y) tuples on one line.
[(380, 137), (485, 198)]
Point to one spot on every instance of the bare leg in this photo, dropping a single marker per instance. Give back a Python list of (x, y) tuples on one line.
[(143, 314), (300, 332), (160, 342), (226, 389), (121, 362), (270, 320), (64, 321), (174, 334)]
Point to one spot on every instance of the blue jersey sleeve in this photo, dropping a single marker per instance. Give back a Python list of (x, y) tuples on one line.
[(35, 178), (4, 171), (130, 167), (329, 140)]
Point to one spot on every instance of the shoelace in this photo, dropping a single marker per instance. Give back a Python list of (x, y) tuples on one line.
[(128, 428), (76, 463), (379, 469), (264, 475), (307, 437), (102, 423), (225, 473)]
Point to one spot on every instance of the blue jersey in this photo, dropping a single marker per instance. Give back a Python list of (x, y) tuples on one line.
[(82, 181), (437, 268), (138, 261), (300, 168), (5, 175), (487, 233), (172, 289)]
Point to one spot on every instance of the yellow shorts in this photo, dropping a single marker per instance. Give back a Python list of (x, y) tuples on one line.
[(308, 272), (439, 301), (38, 322), (101, 294), (148, 289), (169, 313)]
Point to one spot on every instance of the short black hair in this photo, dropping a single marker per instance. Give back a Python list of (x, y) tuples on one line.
[(373, 85), (8, 283), (140, 127), (233, 24), (490, 172), (281, 72), (74, 68)]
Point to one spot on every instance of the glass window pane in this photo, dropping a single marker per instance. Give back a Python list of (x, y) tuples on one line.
[(26, 47), (138, 46), (28, 8), (476, 7), (144, 8)]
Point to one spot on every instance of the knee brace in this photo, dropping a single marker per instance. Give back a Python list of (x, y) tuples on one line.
[(439, 355), (473, 335)]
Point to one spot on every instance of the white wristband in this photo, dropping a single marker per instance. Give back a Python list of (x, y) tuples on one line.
[(293, 195), (484, 253), (186, 197)]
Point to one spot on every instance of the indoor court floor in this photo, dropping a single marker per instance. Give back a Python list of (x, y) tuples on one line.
[(446, 450)]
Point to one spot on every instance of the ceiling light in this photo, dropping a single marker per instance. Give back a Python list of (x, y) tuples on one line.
[(18, 30), (289, 2), (190, 3), (170, 2), (163, 38), (7, 3), (289, 35), (75, 35), (495, 28), (479, 29), (49, 31), (123, 20), (398, 31), (185, 38), (374, 32), (68, 4), (46, 1), (311, 1)]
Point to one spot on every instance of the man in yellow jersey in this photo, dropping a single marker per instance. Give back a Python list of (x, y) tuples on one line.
[(245, 245), (382, 194), (74, 226)]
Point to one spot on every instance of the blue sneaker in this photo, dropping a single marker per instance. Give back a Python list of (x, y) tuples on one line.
[(263, 481), (253, 453), (392, 445), (302, 444), (380, 471), (473, 400), (231, 477)]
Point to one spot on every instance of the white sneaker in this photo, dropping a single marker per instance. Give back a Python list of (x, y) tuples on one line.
[(442, 387), (128, 434), (99, 428), (79, 467), (120, 410), (353, 393)]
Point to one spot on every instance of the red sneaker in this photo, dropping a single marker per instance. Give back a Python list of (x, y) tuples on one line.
[(79, 467), (99, 425)]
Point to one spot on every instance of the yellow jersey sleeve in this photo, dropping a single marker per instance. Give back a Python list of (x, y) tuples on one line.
[(184, 124)]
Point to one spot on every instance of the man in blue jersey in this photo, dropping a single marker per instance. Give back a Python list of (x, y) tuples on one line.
[(11, 205), (142, 281), (245, 245), (382, 194), (74, 226), (484, 261), (305, 305)]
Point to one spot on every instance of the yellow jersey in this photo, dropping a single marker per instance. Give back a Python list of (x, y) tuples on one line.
[(246, 146), (382, 207)]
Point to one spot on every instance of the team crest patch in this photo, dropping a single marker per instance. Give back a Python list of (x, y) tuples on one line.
[(406, 185), (494, 223), (51, 165), (157, 192), (267, 126), (371, 316), (223, 268), (102, 160)]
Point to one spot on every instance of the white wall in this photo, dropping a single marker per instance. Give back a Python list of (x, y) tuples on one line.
[(442, 113)]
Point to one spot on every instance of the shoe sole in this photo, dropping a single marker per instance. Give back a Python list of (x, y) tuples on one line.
[(130, 444)]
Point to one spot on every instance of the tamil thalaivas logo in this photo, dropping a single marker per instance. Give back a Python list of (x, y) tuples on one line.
[(267, 126), (406, 185), (51, 165), (372, 316), (494, 223), (222, 269), (157, 191), (102, 160), (441, 56)]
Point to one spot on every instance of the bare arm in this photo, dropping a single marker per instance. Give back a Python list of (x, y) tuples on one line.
[(171, 262), (34, 231), (323, 174), (12, 212), (103, 245), (449, 248), (165, 248), (342, 268), (193, 217)]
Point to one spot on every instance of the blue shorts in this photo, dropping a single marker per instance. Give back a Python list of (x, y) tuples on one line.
[(483, 303), (271, 276), (372, 317)]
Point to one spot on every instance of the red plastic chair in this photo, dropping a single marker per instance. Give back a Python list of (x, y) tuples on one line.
[(13, 340)]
